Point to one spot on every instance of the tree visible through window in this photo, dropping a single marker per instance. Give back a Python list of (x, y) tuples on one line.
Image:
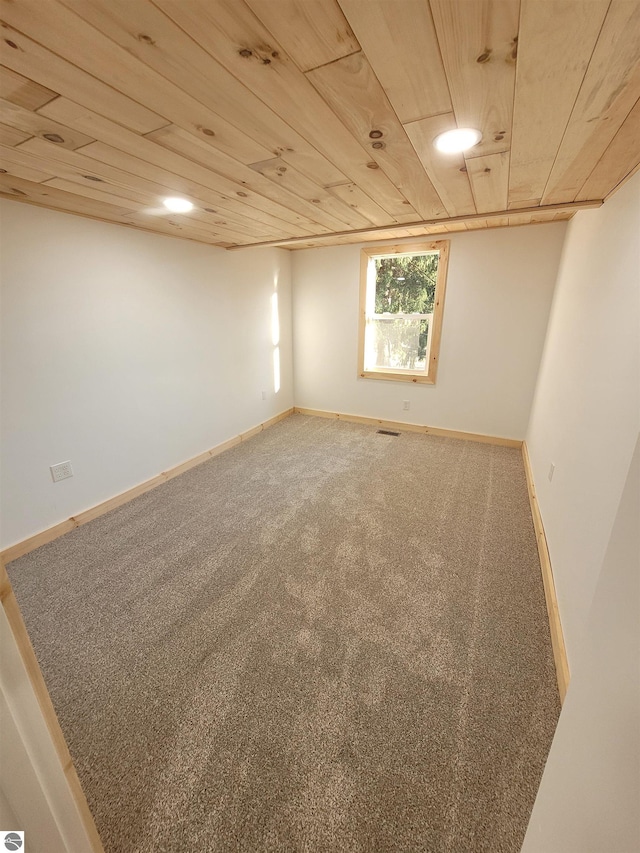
[(402, 296)]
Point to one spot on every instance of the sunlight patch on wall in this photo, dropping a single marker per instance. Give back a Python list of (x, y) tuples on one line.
[(276, 369), (275, 320), (275, 340)]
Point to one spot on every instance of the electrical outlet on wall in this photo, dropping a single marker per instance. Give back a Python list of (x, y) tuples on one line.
[(406, 405), (264, 395), (61, 471), (552, 468)]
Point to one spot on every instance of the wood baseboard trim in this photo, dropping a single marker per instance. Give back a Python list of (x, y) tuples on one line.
[(51, 533), (555, 626), (18, 628), (425, 430)]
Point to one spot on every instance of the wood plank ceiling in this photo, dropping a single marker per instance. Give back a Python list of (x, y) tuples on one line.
[(311, 122)]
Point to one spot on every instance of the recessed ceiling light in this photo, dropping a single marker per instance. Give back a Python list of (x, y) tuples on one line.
[(178, 205), (455, 141)]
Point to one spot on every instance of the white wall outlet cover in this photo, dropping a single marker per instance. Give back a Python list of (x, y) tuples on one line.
[(406, 405), (61, 471), (552, 468)]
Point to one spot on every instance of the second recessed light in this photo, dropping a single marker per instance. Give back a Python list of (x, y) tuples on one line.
[(455, 141), (178, 205)]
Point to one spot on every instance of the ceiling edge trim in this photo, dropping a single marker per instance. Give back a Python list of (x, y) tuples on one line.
[(291, 242)]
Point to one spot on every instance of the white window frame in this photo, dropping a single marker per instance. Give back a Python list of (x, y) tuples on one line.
[(368, 255)]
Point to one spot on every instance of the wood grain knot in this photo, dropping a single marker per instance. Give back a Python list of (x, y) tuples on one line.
[(485, 56), (53, 137), (245, 52), (145, 38)]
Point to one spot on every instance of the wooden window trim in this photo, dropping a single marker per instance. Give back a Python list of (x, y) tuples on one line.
[(393, 374)]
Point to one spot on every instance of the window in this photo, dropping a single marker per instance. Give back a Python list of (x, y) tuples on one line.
[(401, 303)]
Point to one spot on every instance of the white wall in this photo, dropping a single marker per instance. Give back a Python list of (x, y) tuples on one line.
[(586, 414), (126, 353), (499, 292), (590, 791)]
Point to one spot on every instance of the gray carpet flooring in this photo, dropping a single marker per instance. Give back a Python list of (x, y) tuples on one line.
[(325, 639)]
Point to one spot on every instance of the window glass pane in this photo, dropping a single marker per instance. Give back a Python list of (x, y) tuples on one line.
[(397, 342), (406, 284)]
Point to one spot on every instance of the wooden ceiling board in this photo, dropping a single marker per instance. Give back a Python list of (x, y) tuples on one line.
[(17, 188), (251, 208), (77, 166), (400, 42), (106, 164), (448, 172), (19, 164), (243, 126), (264, 113), (457, 226), (45, 195), (254, 209), (552, 48), (44, 163), (149, 35), (608, 93), (230, 32), (496, 222), (313, 33), (352, 195), (354, 94), (130, 201), (22, 91), (35, 124), (489, 176), (32, 59), (146, 209), (621, 159), (176, 228), (10, 136), (215, 175), (175, 139), (478, 42), (329, 209), (55, 24)]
